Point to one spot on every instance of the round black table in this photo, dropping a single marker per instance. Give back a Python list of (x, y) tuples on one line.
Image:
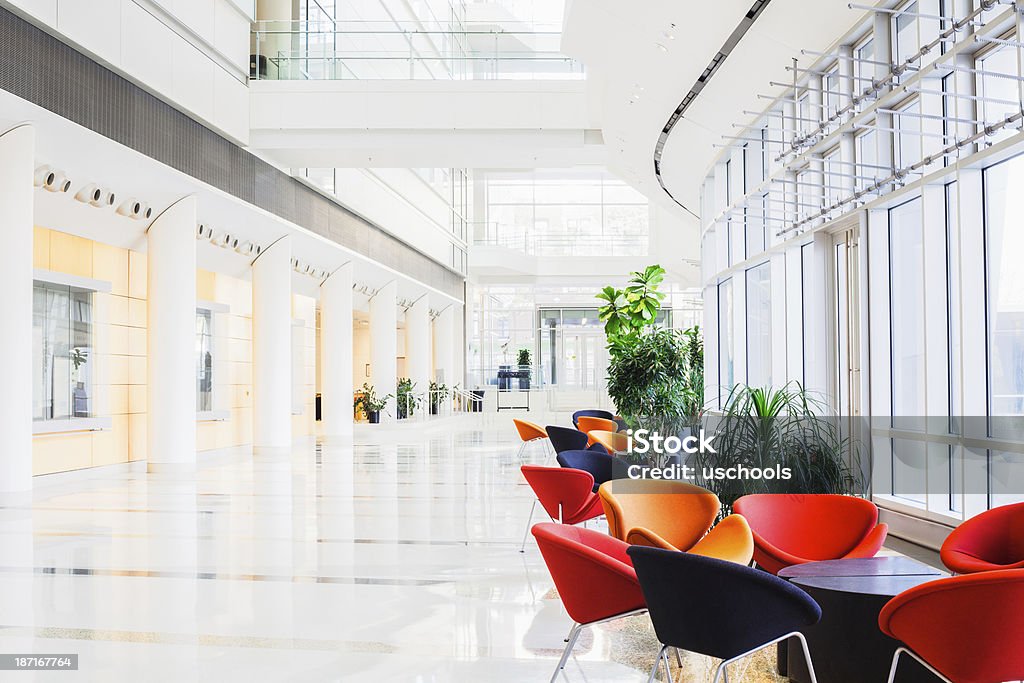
[(846, 645)]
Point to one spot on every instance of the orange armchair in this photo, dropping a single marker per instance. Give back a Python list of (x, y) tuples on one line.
[(613, 442), (987, 542), (528, 432), (797, 528), (674, 515), (587, 424)]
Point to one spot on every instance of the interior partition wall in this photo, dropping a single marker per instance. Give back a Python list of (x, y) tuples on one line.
[(893, 234)]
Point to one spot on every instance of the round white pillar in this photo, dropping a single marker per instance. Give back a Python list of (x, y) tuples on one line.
[(272, 347), (336, 412), (384, 343), (171, 339), (418, 344), (17, 155)]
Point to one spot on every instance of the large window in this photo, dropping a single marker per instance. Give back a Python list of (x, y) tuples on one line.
[(62, 364), (565, 213), (759, 326), (204, 360), (906, 301), (905, 33), (1004, 279), (726, 339)]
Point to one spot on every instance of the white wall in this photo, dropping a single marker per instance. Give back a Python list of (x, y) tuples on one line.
[(392, 198), (195, 55)]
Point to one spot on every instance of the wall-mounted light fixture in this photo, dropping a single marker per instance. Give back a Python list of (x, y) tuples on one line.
[(131, 207)]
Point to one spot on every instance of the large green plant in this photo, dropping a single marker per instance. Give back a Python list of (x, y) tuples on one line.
[(407, 400), (654, 382), (627, 312), (764, 428)]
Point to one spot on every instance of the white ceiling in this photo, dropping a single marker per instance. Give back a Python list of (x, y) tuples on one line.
[(618, 42)]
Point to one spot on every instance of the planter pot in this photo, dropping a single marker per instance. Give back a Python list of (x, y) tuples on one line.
[(373, 416), (524, 377), (433, 409)]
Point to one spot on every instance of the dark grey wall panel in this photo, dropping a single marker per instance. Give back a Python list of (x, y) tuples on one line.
[(39, 68)]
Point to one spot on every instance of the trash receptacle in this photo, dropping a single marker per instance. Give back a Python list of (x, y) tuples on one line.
[(478, 401)]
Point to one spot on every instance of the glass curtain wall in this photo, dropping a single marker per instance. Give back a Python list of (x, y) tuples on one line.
[(941, 301), (564, 213)]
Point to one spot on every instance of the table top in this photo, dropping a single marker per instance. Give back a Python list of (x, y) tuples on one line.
[(878, 576), (892, 565)]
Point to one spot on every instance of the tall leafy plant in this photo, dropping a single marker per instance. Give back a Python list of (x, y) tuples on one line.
[(627, 312), (768, 428)]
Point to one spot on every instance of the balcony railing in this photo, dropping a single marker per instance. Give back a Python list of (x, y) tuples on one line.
[(306, 50), (528, 241)]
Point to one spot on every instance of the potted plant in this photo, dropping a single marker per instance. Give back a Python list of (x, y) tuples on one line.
[(525, 361), (438, 393), (371, 404), (780, 428), (655, 384), (408, 400)]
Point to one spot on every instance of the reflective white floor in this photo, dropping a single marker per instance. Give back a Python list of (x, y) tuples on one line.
[(393, 559)]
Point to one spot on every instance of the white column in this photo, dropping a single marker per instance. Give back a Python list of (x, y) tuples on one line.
[(444, 354), (384, 343), (171, 339), (272, 347), (336, 353), (17, 155), (418, 344)]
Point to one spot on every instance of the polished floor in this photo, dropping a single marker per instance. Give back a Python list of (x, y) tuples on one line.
[(395, 558)]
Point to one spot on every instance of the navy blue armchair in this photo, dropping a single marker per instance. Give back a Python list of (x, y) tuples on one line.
[(566, 438), (717, 608), (598, 463)]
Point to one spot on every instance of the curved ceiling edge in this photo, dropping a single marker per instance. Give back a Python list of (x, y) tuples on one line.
[(734, 38)]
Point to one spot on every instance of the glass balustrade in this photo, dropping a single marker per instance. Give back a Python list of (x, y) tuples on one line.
[(336, 50)]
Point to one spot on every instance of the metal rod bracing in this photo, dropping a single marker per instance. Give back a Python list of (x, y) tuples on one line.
[(797, 118), (919, 133), (899, 12), (806, 88), (982, 72), (830, 74), (997, 41), (981, 98), (931, 117), (801, 145), (845, 58), (900, 174)]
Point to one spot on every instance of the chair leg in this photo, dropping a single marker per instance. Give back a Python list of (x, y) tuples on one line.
[(807, 658), (679, 658), (657, 663), (668, 669), (529, 523), (571, 642), (519, 453), (721, 671), (895, 663)]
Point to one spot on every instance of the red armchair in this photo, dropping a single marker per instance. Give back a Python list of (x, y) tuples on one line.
[(965, 629), (992, 540), (594, 577), (567, 495), (797, 528)]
